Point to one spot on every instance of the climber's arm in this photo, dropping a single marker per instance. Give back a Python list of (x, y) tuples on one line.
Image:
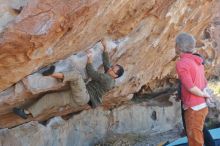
[(95, 75), (105, 56)]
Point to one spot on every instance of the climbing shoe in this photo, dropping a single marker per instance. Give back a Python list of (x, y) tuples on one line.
[(20, 112), (49, 71)]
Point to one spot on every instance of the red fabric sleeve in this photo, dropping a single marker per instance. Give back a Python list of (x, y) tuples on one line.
[(184, 75)]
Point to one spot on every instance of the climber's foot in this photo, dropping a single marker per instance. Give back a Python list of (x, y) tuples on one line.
[(20, 112), (49, 71)]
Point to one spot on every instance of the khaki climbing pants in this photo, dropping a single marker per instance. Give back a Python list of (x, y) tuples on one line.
[(75, 97), (194, 126)]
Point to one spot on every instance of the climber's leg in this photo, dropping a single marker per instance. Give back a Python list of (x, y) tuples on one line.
[(48, 101), (52, 100), (76, 96), (77, 87)]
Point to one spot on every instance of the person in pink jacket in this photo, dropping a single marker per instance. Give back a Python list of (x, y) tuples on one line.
[(191, 73)]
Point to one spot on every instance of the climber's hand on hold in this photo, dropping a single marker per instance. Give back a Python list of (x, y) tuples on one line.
[(90, 56), (104, 44)]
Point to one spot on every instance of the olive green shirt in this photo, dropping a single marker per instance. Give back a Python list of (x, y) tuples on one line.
[(100, 83)]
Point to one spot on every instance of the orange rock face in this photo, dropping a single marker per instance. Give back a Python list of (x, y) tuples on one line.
[(45, 31)]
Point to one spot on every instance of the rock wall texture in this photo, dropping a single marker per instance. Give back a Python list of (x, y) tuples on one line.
[(215, 34), (140, 36), (79, 131)]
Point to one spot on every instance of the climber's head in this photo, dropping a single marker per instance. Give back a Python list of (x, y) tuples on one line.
[(185, 43), (116, 71)]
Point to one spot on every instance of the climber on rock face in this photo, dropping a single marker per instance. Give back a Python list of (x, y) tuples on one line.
[(79, 93)]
